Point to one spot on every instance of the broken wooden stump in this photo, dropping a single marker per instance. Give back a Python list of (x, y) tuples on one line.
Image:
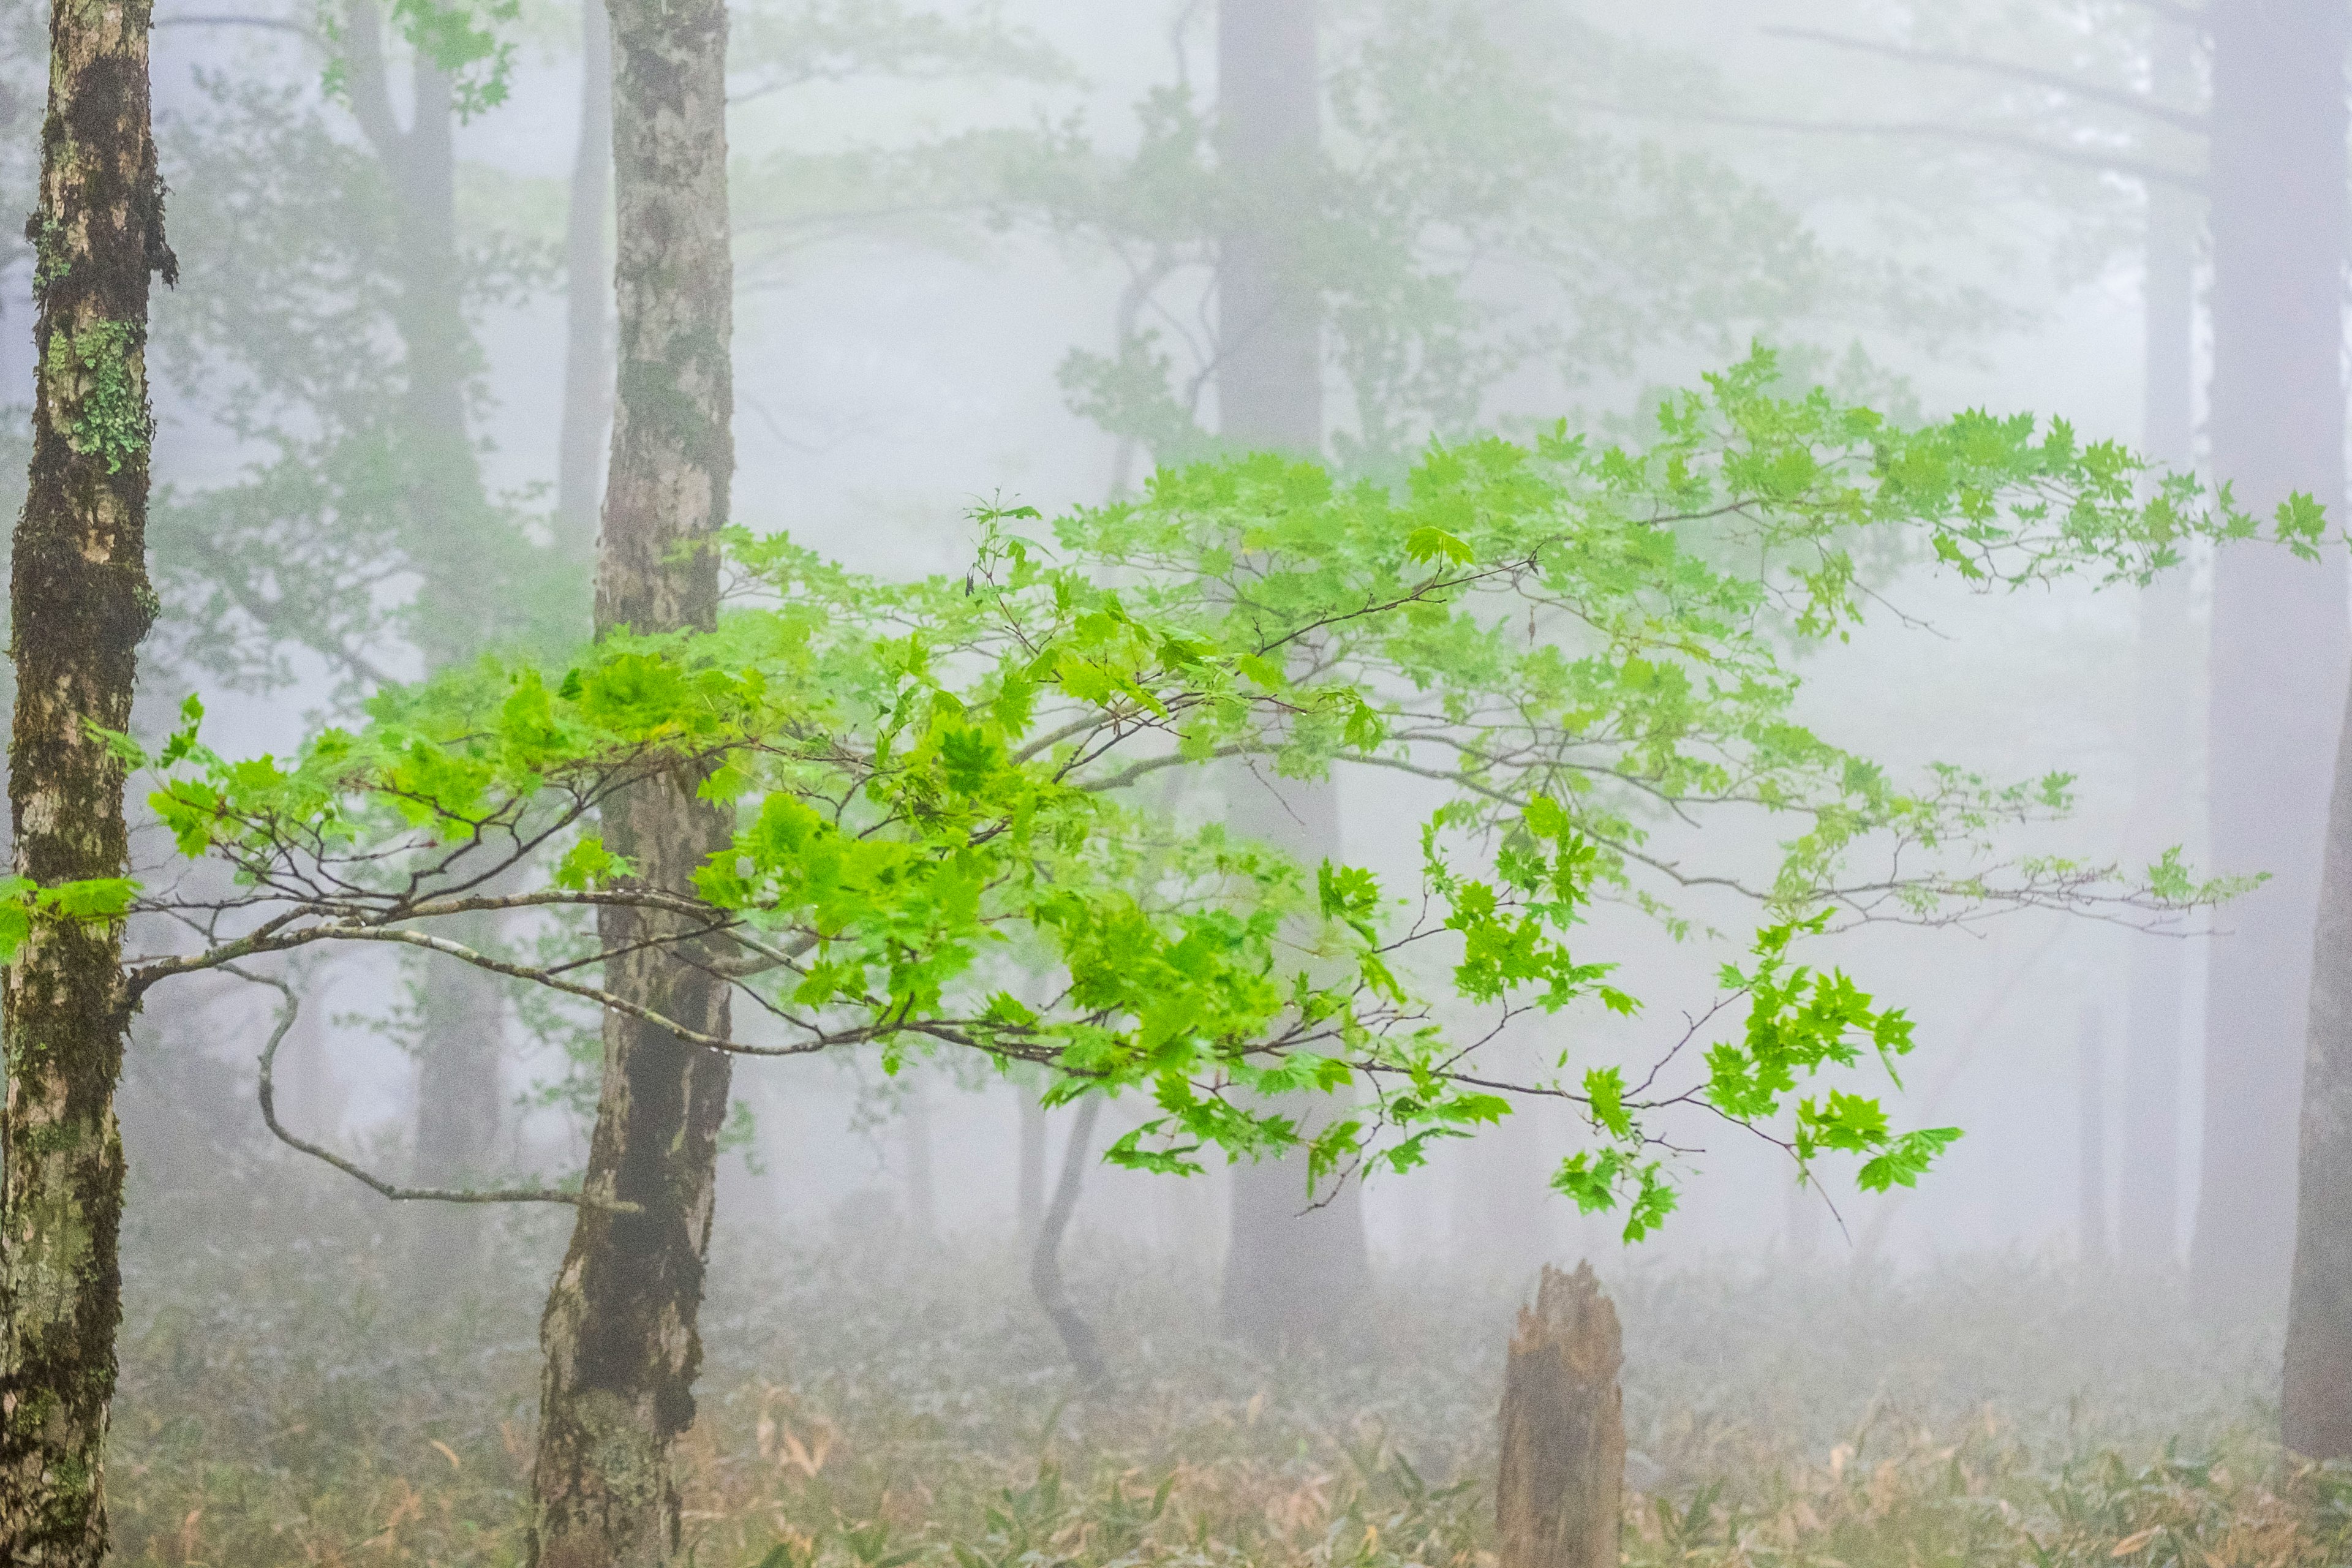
[(1560, 1499)]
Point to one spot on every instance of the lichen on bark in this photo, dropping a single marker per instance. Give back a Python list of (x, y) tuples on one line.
[(619, 1335), (80, 603)]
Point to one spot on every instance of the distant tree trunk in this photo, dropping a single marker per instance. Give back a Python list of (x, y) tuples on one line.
[(2315, 1394), (1078, 1337), (587, 297), (1559, 1494), (922, 1185), (1289, 1272), (80, 600), (1029, 1193), (2147, 1217), (463, 1025), (2090, 1106), (457, 608), (2278, 227), (620, 1332)]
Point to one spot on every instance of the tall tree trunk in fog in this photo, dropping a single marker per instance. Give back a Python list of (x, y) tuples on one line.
[(2316, 1395), (587, 296), (2147, 1216), (620, 1337), (1029, 1189), (457, 608), (2091, 1125), (2278, 226), (80, 600), (1289, 1271), (922, 1186)]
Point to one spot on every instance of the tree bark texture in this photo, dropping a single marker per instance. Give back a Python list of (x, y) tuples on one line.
[(1559, 1494), (2278, 223), (587, 296), (2315, 1394), (2148, 1215), (619, 1335), (81, 602), (1290, 1272)]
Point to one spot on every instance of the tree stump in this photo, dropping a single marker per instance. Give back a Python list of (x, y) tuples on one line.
[(1558, 1502)]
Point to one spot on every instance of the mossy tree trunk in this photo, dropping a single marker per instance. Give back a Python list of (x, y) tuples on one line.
[(81, 602), (619, 1334)]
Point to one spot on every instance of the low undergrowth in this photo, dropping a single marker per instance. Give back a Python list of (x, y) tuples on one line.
[(305, 1402)]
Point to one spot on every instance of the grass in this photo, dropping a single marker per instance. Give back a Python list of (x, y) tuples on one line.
[(284, 1401), (291, 1396)]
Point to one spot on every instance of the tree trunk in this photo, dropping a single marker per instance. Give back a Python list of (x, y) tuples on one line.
[(81, 602), (458, 606), (458, 1093), (587, 296), (620, 1337), (2278, 226), (1270, 308), (2147, 1217), (2091, 1148), (1029, 1189), (922, 1186), (1560, 1495), (1289, 1272), (1078, 1337), (2316, 1396)]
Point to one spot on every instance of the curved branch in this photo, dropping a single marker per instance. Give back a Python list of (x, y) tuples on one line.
[(267, 1094)]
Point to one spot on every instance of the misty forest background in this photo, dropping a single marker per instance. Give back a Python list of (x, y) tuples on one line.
[(977, 261)]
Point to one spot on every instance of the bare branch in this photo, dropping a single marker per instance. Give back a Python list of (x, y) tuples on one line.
[(2050, 152), (269, 1097), (1954, 60), (266, 24)]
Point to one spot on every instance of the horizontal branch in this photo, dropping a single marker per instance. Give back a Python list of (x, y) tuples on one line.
[(1984, 65), (2104, 163)]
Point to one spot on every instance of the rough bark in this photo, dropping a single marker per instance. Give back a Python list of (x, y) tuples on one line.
[(587, 296), (619, 1335), (81, 602), (1078, 1337), (1290, 1272), (2316, 1395), (2147, 1216), (1559, 1493), (2278, 223)]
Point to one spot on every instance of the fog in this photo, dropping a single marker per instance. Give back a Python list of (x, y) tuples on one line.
[(990, 256)]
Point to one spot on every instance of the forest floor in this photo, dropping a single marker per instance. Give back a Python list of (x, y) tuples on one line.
[(285, 1402)]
